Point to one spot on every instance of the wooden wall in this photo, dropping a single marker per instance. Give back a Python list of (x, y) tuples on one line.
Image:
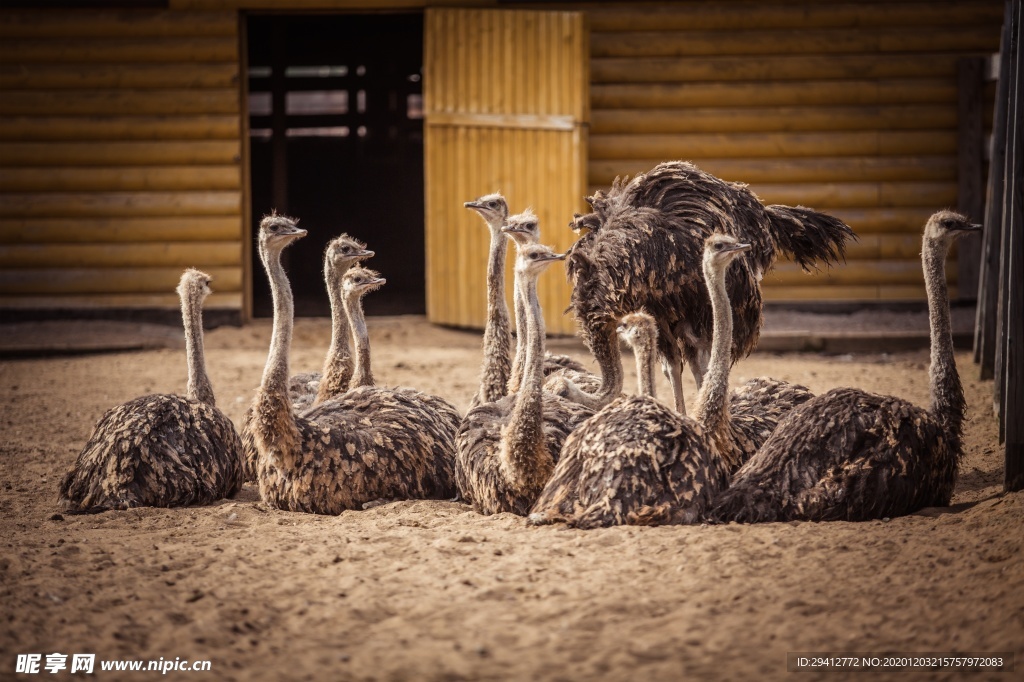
[(850, 108), (120, 157), (506, 109)]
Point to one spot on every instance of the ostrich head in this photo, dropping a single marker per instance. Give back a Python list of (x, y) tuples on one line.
[(344, 251), (194, 285), (523, 228), (492, 208), (359, 281), (720, 250), (533, 259), (637, 328), (277, 232), (945, 226)]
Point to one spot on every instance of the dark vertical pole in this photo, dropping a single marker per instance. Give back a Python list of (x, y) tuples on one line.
[(279, 119), (970, 147), (988, 287), (1013, 353), (1012, 131)]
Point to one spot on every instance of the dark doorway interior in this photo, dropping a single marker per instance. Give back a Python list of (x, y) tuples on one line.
[(336, 133)]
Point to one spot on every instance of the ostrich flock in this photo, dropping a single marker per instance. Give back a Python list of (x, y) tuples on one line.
[(670, 261)]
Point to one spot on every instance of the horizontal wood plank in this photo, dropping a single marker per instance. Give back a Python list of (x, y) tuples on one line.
[(821, 169), (185, 153), (625, 146), (119, 128), (121, 204), (178, 254), (124, 50), (853, 273), (121, 179), (772, 119), (218, 300), (778, 67), (119, 76), (113, 23), (84, 230), (63, 281), (114, 102)]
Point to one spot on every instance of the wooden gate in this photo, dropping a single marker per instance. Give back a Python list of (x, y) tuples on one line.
[(507, 109)]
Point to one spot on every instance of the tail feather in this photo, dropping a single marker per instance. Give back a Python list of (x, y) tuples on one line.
[(808, 235)]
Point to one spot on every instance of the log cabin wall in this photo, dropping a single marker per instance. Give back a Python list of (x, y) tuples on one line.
[(850, 108), (120, 157)]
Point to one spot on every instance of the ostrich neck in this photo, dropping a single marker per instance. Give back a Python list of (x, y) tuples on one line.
[(494, 382), (337, 372), (275, 374), (946, 391), (516, 378), (711, 404), (644, 352), (525, 435), (199, 387), (363, 375)]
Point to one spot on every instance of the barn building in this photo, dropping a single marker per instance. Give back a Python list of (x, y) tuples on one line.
[(138, 138)]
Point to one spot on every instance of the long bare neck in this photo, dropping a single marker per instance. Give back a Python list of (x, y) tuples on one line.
[(643, 350), (948, 405), (711, 400), (363, 375), (199, 387), (524, 451), (497, 335), (338, 365), (275, 374), (516, 377)]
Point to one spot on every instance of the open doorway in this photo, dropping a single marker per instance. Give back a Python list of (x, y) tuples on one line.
[(336, 139)]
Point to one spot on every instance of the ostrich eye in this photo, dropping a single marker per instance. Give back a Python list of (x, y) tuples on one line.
[(718, 247), (346, 249), (492, 204)]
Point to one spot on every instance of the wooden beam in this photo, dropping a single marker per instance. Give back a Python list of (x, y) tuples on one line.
[(118, 76), (121, 204), (881, 143), (773, 93), (179, 254), (64, 281), (120, 179), (114, 23), (115, 102), (790, 40), (78, 229), (822, 169), (970, 143), (781, 67), (126, 50), (178, 152), (772, 119), (119, 128), (853, 273), (217, 300)]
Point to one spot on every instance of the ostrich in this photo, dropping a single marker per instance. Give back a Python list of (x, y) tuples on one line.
[(368, 444), (161, 450), (507, 449), (638, 462), (641, 249), (312, 388), (356, 283), (851, 455), (497, 377)]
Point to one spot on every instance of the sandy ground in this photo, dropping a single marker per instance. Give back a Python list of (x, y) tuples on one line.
[(431, 590)]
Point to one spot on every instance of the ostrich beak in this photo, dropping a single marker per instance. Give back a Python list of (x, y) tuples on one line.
[(473, 205), (365, 253), (969, 227), (739, 247)]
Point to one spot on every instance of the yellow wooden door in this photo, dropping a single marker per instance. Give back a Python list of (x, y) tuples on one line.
[(507, 109)]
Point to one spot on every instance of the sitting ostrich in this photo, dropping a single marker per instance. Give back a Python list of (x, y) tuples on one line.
[(636, 461), (161, 450), (641, 248), (498, 377), (370, 443), (507, 449), (851, 455), (312, 388)]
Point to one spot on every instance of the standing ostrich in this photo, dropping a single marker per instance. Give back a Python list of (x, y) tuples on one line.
[(851, 455), (161, 450), (312, 388), (507, 449), (497, 377), (638, 462), (369, 444), (641, 249)]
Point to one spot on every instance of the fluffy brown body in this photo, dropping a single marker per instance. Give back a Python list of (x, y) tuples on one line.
[(851, 455), (161, 450), (643, 251)]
